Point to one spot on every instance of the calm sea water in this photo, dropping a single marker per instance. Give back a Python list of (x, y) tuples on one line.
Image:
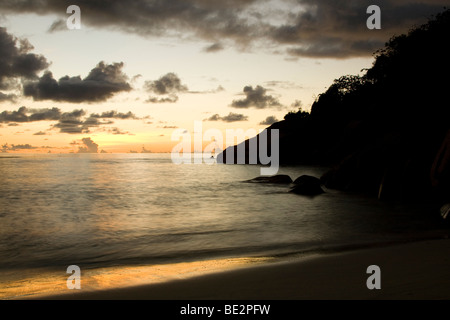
[(119, 209)]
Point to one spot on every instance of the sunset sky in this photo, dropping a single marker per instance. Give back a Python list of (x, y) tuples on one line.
[(137, 70)]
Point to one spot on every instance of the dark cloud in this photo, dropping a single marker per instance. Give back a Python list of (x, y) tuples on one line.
[(329, 29), (114, 115), (269, 121), (257, 98), (117, 131), (8, 97), (40, 133), (46, 114), (16, 61), (234, 117), (58, 25), (89, 146), (215, 117), (215, 47), (14, 116), (308, 28), (231, 117), (208, 20), (297, 104), (102, 83), (171, 99), (74, 122), (168, 85), (6, 147)]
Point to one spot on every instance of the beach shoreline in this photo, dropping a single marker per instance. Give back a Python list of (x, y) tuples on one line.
[(412, 270)]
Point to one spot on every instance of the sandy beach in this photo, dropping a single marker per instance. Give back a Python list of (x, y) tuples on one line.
[(417, 270)]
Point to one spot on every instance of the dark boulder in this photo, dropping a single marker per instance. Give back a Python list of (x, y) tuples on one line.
[(307, 185), (278, 179)]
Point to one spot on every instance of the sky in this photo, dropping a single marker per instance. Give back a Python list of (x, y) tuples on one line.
[(138, 70)]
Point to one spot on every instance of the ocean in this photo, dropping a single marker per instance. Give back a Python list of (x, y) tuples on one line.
[(101, 211)]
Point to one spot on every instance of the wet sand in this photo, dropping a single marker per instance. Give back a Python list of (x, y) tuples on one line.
[(417, 270)]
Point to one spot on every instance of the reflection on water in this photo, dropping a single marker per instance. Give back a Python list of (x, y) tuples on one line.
[(107, 210)]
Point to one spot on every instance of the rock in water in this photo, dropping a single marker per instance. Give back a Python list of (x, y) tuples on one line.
[(307, 185), (280, 179)]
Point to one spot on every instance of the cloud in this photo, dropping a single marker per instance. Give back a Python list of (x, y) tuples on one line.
[(58, 25), (215, 47), (269, 121), (8, 97), (14, 116), (40, 133), (323, 29), (171, 99), (46, 114), (231, 117), (297, 104), (23, 114), (102, 83), (199, 18), (217, 90), (282, 84), (17, 62), (257, 98), (73, 122), (215, 117), (89, 146), (168, 85), (114, 115), (306, 28), (117, 131), (6, 147)]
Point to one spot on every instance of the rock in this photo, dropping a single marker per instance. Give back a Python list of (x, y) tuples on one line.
[(305, 179), (307, 185), (279, 179)]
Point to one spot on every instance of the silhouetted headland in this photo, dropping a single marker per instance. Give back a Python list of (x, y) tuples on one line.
[(385, 133)]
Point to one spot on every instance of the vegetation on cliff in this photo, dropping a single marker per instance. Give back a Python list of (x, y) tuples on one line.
[(385, 132)]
